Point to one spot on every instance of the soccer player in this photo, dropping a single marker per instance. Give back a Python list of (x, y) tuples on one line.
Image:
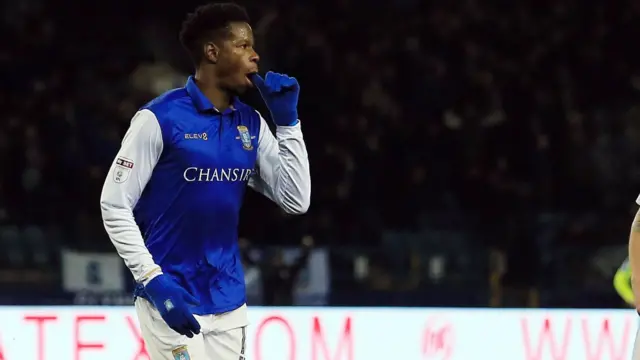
[(171, 200), (634, 264)]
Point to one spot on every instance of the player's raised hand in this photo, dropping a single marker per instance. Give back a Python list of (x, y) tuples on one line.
[(280, 94), (172, 302)]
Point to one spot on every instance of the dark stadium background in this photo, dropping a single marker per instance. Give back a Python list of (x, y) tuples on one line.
[(463, 153)]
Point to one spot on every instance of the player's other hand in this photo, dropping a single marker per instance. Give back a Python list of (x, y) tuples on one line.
[(280, 93), (172, 302)]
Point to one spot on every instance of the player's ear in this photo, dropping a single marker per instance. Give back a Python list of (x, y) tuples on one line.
[(211, 52)]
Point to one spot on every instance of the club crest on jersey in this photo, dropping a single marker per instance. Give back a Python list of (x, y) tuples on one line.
[(245, 137), (122, 169), (181, 353)]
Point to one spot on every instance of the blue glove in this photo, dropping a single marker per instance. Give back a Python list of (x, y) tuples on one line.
[(280, 94), (172, 301)]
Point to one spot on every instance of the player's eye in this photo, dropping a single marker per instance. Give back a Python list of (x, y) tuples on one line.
[(244, 46)]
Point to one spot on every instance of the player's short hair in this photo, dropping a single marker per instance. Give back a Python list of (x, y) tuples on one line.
[(209, 22)]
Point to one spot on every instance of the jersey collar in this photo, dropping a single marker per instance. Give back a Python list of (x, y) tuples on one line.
[(201, 102)]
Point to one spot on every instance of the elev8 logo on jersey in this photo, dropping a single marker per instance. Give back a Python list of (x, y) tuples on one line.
[(197, 136)]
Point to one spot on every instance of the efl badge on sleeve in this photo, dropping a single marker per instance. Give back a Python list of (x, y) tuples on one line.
[(181, 353), (122, 169), (245, 137)]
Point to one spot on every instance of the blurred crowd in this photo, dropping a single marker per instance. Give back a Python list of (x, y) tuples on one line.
[(492, 133)]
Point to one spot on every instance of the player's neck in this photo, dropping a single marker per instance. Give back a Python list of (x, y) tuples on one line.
[(220, 98)]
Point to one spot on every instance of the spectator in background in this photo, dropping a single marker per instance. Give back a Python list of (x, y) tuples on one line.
[(252, 274), (279, 277)]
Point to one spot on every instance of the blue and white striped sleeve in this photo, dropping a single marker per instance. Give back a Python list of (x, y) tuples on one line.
[(129, 174), (282, 168)]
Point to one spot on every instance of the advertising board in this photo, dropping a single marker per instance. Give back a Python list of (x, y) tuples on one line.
[(308, 333)]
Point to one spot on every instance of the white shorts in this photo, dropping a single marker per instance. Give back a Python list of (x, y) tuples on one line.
[(222, 336)]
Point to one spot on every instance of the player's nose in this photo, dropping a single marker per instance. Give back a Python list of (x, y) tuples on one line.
[(255, 58)]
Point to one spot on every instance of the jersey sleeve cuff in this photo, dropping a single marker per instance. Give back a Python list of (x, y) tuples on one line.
[(295, 124), (150, 275)]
